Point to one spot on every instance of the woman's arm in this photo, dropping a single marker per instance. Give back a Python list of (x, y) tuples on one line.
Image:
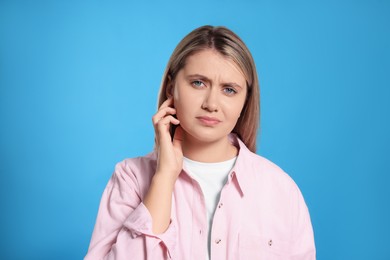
[(158, 200), (123, 226), (303, 247), (128, 225)]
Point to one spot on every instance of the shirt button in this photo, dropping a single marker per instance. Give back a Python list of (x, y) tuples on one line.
[(200, 231), (232, 174), (217, 241), (220, 205), (270, 242)]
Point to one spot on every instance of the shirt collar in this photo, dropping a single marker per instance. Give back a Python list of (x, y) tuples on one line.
[(242, 167), (243, 164)]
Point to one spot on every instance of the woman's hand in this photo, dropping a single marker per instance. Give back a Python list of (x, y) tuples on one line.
[(158, 199), (170, 155)]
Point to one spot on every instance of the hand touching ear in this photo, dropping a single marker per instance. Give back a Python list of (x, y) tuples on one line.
[(158, 199), (170, 155)]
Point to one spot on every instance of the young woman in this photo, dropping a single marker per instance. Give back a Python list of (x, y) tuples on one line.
[(203, 193)]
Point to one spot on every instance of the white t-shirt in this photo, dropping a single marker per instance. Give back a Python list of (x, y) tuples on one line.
[(211, 178)]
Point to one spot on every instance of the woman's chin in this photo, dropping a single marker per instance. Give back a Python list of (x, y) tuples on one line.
[(204, 137)]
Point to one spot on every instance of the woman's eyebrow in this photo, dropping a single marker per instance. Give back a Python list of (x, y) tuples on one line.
[(204, 78), (233, 84), (199, 76)]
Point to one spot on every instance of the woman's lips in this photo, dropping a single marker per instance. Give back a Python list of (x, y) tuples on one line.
[(210, 121)]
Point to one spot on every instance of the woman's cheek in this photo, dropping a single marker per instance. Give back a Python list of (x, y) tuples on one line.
[(179, 114)]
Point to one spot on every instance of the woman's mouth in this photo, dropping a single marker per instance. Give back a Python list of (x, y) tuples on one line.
[(208, 121)]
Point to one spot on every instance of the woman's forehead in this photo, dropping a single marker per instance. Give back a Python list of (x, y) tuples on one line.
[(211, 63)]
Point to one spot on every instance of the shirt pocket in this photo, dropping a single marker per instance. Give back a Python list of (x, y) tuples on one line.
[(256, 247)]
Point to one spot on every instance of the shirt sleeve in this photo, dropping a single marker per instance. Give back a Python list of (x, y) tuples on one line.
[(123, 228), (303, 247)]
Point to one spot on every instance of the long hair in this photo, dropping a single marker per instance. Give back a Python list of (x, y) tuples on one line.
[(229, 45)]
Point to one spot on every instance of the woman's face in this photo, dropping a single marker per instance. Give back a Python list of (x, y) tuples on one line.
[(209, 94)]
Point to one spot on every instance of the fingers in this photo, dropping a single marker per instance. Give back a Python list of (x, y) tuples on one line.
[(162, 129), (167, 103), (162, 113), (166, 121), (164, 109), (162, 120)]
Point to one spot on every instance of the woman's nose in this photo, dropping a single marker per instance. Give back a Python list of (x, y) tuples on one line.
[(210, 102)]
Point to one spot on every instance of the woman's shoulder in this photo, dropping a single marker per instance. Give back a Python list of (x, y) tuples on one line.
[(259, 168), (136, 171), (137, 163), (261, 176), (263, 169), (266, 165)]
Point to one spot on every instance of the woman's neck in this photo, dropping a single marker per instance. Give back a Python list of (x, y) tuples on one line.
[(217, 151)]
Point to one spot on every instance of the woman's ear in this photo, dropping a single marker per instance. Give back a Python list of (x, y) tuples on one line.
[(169, 88)]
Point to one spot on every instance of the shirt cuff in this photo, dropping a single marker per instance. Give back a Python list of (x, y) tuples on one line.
[(139, 222)]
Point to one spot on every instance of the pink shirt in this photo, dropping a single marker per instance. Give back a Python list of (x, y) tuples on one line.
[(261, 215)]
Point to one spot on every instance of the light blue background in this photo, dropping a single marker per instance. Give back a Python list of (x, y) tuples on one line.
[(78, 87)]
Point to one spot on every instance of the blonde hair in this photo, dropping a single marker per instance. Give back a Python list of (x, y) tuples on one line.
[(229, 45)]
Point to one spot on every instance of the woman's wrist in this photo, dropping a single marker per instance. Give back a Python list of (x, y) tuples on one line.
[(165, 178)]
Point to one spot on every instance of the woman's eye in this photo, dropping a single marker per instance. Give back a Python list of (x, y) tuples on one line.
[(197, 83), (230, 91)]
